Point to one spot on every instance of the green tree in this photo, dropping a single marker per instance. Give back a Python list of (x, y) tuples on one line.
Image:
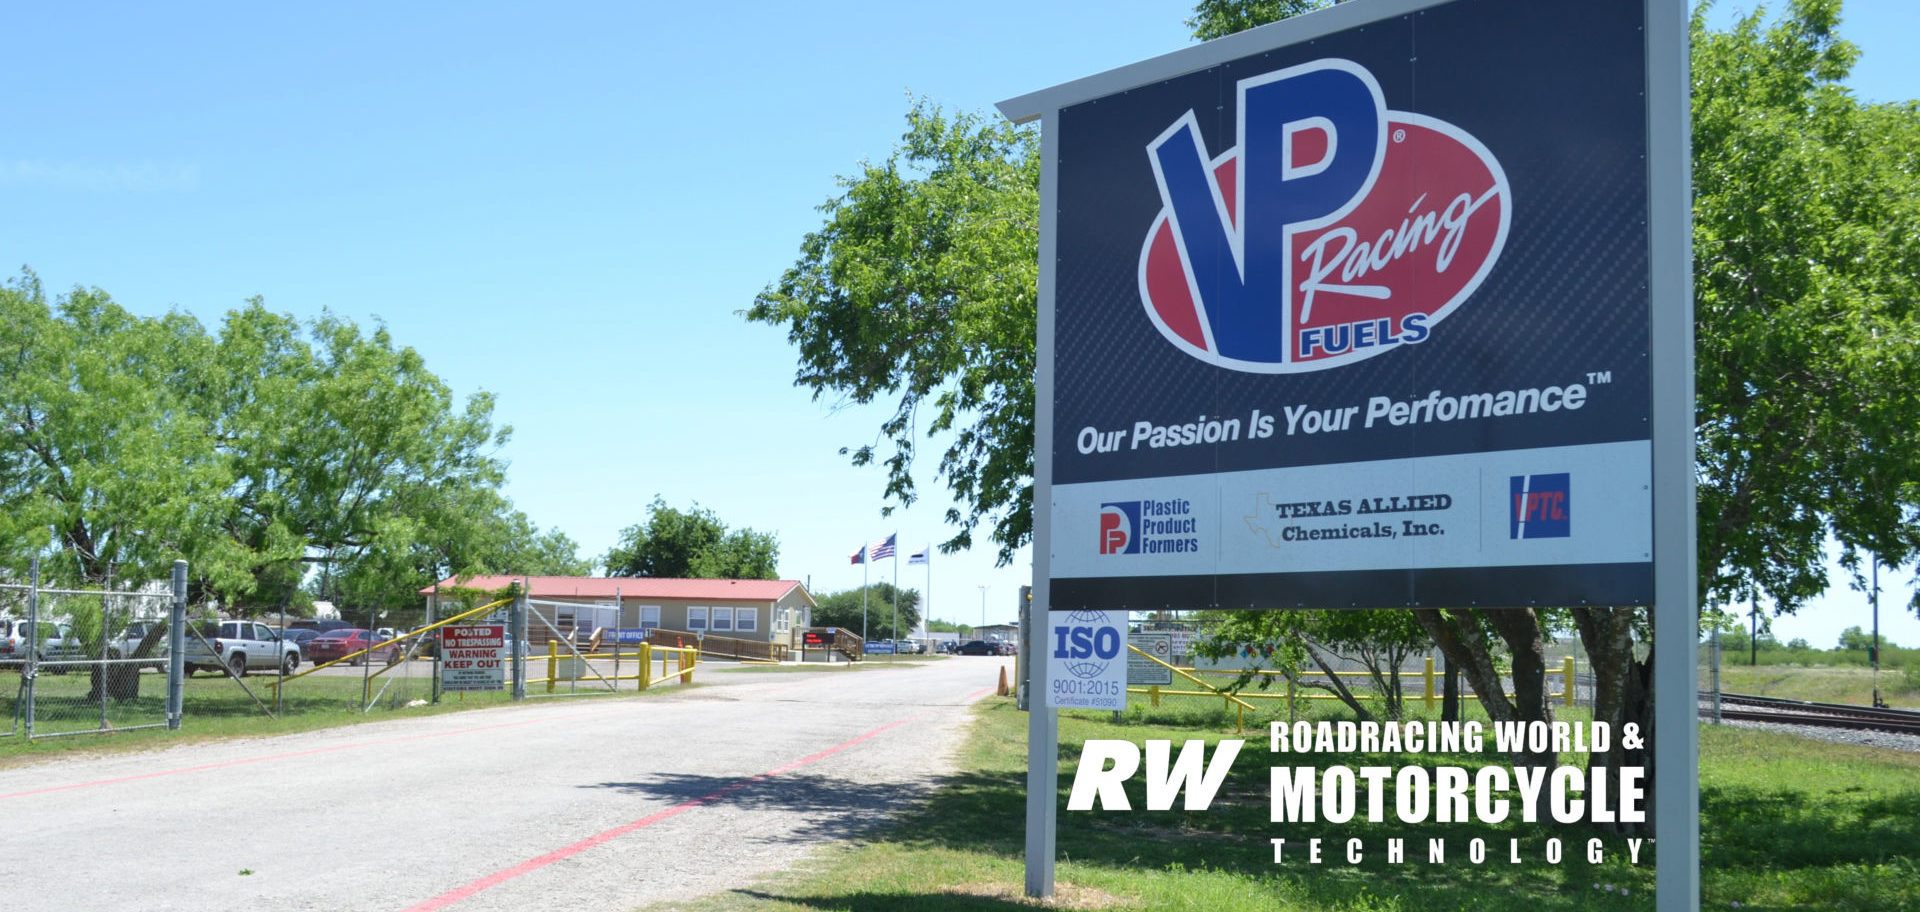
[(692, 544), (1220, 18), (256, 454), (920, 291), (1286, 641), (843, 610)]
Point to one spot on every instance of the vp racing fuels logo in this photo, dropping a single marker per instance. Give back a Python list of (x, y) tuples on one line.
[(1148, 527), (1335, 230)]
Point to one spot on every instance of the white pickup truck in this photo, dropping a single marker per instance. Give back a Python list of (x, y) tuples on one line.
[(239, 647)]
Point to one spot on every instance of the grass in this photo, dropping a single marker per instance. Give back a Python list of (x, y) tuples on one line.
[(1787, 824), (1845, 684)]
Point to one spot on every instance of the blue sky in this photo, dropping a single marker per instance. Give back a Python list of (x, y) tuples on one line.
[(564, 205)]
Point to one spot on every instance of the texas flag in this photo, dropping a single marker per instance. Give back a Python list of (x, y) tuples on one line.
[(859, 555)]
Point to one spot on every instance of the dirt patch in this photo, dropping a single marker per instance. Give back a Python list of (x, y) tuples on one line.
[(1065, 896)]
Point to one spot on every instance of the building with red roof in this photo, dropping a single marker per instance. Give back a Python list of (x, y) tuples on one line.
[(748, 609)]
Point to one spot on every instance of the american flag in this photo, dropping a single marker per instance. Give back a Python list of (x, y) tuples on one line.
[(859, 556), (882, 549)]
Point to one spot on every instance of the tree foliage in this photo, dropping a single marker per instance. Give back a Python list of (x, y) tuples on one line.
[(692, 544), (919, 291), (255, 452), (844, 610), (1807, 254)]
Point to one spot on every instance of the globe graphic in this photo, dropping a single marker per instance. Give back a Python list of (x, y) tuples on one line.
[(1088, 668)]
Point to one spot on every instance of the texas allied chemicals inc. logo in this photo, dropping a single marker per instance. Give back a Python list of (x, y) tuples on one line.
[(1540, 506), (1334, 231), (1148, 527)]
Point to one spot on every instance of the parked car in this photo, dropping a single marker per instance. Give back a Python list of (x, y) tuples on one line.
[(318, 625), (239, 647), (56, 643), (12, 635), (128, 642), (299, 637), (978, 648), (1006, 647), (337, 644)]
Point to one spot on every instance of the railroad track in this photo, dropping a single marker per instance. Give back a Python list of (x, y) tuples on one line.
[(1749, 708)]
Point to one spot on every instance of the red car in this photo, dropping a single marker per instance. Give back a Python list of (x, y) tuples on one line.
[(334, 644)]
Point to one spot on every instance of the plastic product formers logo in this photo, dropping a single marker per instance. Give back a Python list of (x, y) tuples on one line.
[(1334, 231), (1540, 506), (1149, 527)]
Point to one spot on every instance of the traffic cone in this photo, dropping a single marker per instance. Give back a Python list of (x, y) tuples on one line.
[(1002, 691)]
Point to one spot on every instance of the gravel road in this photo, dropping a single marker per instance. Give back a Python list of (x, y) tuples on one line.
[(582, 803)]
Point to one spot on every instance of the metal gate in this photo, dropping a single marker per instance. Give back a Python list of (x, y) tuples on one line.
[(81, 661)]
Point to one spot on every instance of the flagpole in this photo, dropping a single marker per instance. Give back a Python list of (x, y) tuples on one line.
[(866, 576), (926, 612), (895, 538)]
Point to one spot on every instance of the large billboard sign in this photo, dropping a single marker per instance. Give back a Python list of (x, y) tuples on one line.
[(1384, 305), (1361, 321)]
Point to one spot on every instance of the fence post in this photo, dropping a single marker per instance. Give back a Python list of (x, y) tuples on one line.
[(1290, 693), (1153, 696), (517, 619), (30, 669), (646, 665), (1428, 676), (177, 646), (553, 663), (1569, 680)]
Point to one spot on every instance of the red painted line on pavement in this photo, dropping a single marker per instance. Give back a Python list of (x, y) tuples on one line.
[(304, 753), (561, 854)]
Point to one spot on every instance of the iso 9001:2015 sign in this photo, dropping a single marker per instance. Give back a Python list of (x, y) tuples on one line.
[(1086, 659), (1360, 321)]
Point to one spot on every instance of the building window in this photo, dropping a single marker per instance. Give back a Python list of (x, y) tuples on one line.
[(696, 618), (746, 620), (723, 619), (649, 617)]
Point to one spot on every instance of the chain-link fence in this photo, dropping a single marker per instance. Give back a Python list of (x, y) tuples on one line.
[(512, 649), (1243, 691), (76, 661), (120, 658)]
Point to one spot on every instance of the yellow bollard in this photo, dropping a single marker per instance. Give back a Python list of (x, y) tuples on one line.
[(646, 665), (553, 663), (1429, 677), (1153, 696), (1569, 679)]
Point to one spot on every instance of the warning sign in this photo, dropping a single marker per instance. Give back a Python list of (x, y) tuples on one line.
[(1142, 671), (470, 658)]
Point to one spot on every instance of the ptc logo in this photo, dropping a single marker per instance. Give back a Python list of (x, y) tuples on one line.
[(1333, 231), (1120, 527), (1540, 506)]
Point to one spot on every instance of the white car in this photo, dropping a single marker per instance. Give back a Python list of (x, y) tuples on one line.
[(239, 647)]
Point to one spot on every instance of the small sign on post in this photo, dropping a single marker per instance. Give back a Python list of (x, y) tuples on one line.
[(1085, 668), (1143, 671), (471, 658)]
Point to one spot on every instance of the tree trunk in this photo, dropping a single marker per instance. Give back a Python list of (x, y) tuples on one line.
[(1622, 695), (1466, 645), (1338, 687), (1450, 692)]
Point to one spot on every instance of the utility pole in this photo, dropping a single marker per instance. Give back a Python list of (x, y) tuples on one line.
[(1874, 654)]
